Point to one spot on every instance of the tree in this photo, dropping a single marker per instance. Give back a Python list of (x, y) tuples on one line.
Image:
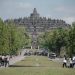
[(12, 38), (18, 37), (54, 40), (71, 41), (4, 47)]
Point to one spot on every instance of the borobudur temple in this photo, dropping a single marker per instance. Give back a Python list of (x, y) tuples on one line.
[(35, 24)]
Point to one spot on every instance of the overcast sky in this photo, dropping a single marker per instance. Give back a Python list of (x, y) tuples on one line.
[(55, 9)]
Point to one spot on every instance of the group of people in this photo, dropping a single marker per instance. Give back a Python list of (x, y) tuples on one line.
[(4, 60), (69, 62)]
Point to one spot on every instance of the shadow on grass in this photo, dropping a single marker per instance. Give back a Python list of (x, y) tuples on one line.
[(25, 66)]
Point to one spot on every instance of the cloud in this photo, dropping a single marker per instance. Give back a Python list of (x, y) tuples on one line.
[(25, 5), (67, 13), (65, 9), (15, 5), (60, 9), (15, 9), (69, 20)]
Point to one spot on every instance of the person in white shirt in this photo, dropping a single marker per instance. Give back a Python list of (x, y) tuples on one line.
[(64, 62), (8, 58), (71, 62)]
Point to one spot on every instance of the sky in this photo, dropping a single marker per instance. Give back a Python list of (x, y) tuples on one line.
[(55, 9)]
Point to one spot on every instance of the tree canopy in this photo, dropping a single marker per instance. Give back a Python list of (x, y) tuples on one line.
[(12, 38), (54, 40)]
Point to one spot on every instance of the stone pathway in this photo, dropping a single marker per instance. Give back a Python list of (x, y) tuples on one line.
[(16, 59)]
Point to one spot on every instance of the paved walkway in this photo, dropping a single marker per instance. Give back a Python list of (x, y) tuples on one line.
[(16, 59)]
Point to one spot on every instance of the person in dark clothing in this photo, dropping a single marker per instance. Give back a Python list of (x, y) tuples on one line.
[(5, 61), (0, 61)]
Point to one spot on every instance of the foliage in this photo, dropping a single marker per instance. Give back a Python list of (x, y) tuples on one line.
[(71, 41), (12, 38), (56, 40)]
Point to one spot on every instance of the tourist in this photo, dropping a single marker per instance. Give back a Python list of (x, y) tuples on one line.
[(68, 63), (64, 62), (3, 60), (6, 61), (8, 58), (71, 62), (0, 60), (74, 61)]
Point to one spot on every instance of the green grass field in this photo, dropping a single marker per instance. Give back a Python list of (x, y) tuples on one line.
[(37, 65)]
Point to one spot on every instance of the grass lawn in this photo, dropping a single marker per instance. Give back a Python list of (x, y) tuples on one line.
[(37, 65)]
